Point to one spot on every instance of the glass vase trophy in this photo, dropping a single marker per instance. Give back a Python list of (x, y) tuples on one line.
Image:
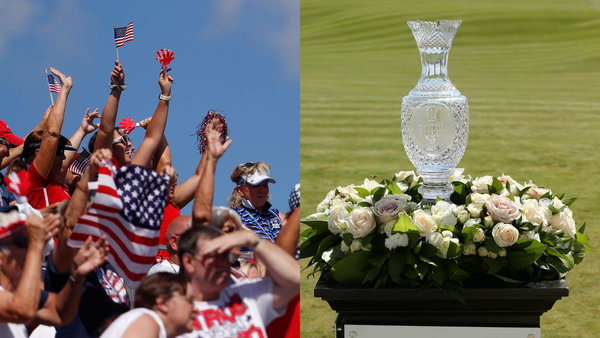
[(435, 116)]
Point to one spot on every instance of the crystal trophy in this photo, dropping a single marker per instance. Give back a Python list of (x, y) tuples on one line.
[(435, 116)]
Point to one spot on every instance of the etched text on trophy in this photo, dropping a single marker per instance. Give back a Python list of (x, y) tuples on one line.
[(433, 128)]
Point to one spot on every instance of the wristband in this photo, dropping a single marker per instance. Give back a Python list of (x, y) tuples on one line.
[(164, 97), (117, 87), (83, 188), (74, 280)]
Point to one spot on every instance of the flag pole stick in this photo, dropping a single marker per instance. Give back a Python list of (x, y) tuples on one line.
[(51, 98), (114, 29)]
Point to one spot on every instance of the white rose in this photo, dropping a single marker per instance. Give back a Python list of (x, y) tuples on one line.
[(446, 245), (387, 209), (488, 222), (337, 215), (536, 192), (387, 228), (482, 251), (502, 209), (360, 222), (557, 203), (458, 176), (545, 202), (479, 236), (502, 252), (370, 184), (533, 212), (530, 235), (324, 205), (403, 187), (344, 247), (505, 234), (396, 240), (475, 210), (435, 239), (356, 245), (471, 222), (563, 222), (442, 213), (402, 175), (480, 184), (492, 255), (424, 222), (470, 249), (345, 191), (479, 199), (463, 216)]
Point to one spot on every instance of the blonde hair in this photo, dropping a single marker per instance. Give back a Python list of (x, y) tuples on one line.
[(244, 170)]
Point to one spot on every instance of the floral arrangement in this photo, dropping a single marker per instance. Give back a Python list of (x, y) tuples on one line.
[(380, 234)]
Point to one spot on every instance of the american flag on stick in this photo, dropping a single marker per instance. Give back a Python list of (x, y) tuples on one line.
[(53, 85), (123, 34), (128, 208), (80, 162)]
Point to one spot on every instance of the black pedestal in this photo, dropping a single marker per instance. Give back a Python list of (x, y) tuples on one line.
[(487, 305)]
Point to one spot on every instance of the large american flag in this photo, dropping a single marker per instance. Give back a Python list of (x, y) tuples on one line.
[(53, 84), (128, 208), (123, 34)]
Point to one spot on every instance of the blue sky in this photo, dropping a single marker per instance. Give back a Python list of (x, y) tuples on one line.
[(240, 57)]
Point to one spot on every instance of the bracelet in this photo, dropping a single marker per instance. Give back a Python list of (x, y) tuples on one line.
[(75, 281), (117, 87), (164, 97), (84, 189), (258, 239)]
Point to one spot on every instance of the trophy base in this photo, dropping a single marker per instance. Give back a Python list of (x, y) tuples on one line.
[(436, 184)]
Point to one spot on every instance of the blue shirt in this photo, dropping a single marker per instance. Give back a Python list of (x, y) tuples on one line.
[(266, 224)]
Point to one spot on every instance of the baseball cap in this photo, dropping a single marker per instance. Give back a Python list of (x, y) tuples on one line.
[(256, 178), (11, 221), (8, 135)]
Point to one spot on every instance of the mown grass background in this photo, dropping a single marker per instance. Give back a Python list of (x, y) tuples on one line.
[(530, 70)]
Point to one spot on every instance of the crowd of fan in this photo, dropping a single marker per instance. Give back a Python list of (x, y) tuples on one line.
[(221, 272)]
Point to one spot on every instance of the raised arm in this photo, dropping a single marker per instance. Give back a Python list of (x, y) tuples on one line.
[(109, 113), (62, 256), (20, 307), (156, 127), (45, 158), (61, 308), (202, 211), (16, 151), (282, 267), (290, 234), (87, 127)]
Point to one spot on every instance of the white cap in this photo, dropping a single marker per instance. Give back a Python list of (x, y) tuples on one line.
[(256, 178)]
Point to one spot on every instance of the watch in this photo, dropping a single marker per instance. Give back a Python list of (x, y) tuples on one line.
[(117, 87), (164, 97)]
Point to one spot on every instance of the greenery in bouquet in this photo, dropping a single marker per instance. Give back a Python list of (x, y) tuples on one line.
[(380, 234)]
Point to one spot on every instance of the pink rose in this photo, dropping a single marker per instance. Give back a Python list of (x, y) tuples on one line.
[(502, 209)]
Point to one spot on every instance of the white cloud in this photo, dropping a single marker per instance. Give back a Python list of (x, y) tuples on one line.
[(15, 19)]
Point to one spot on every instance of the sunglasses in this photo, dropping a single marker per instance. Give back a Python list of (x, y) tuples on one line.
[(123, 138), (60, 152), (249, 164)]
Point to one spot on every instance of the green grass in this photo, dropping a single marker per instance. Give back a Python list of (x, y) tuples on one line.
[(530, 71)]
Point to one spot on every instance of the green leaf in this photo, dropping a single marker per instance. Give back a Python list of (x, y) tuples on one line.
[(528, 245), (495, 187), (438, 274), (526, 226), (428, 250), (368, 239), (305, 234), (392, 187), (523, 192), (326, 244), (378, 193), (317, 221), (491, 245), (468, 233), (365, 204), (567, 260), (561, 266), (507, 279), (378, 261), (362, 192), (582, 229), (569, 201), (336, 255), (396, 263), (348, 238), (353, 267), (422, 269), (403, 225), (519, 260), (455, 295), (309, 247), (372, 274), (585, 239), (453, 250), (410, 272), (494, 265)]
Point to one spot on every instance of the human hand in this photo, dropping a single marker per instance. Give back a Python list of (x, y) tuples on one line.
[(87, 124), (99, 155), (170, 171), (65, 82), (164, 81), (89, 257), (145, 122), (213, 138), (117, 76), (41, 230), (226, 242)]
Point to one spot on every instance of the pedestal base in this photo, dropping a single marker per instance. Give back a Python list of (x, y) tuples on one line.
[(487, 306)]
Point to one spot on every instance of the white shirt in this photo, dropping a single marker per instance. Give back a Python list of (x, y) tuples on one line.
[(164, 266), (12, 330), (121, 324)]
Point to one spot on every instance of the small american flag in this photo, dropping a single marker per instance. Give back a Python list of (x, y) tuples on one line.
[(123, 34), (80, 162), (53, 84), (128, 208)]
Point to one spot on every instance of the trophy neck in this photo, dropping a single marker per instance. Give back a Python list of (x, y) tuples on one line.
[(434, 39)]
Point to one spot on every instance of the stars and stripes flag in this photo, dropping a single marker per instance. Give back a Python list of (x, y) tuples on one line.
[(53, 84), (123, 34), (128, 209), (80, 162)]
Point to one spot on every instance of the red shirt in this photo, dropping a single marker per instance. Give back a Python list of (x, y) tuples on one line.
[(44, 191), (171, 212)]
